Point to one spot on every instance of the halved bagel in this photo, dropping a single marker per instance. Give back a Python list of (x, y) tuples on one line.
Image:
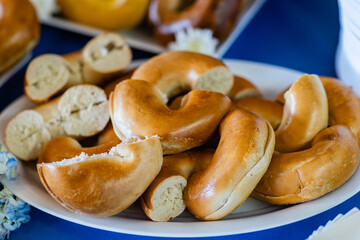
[(104, 184)]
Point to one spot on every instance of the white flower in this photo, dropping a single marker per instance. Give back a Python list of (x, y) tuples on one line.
[(196, 40), (45, 8)]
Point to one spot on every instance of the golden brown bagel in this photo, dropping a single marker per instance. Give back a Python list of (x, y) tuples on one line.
[(243, 88), (170, 17), (271, 111), (167, 19), (305, 114), (109, 87), (82, 111), (176, 72), (163, 200), (223, 17), (138, 109), (344, 105), (103, 57), (107, 135), (104, 184), (306, 175), (241, 159), (19, 31), (61, 148), (280, 97)]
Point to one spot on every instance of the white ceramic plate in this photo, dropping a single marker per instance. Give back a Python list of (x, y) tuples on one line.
[(253, 215), (10, 72), (138, 38)]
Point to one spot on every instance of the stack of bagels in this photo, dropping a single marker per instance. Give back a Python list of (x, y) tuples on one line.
[(184, 133)]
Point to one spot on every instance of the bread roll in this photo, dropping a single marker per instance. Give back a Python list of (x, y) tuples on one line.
[(103, 57), (177, 72), (344, 105), (163, 200), (60, 148), (241, 159), (104, 184), (138, 110), (243, 88), (309, 174), (82, 111), (271, 111), (170, 17), (20, 31), (305, 114)]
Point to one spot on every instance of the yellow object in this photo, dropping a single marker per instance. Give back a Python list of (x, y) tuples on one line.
[(105, 14)]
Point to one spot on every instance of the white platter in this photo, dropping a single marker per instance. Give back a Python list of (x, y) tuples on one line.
[(10, 72), (140, 39), (253, 215)]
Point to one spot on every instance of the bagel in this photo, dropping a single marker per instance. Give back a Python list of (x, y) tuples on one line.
[(82, 111), (344, 105), (103, 184), (163, 200), (60, 148), (170, 17), (177, 72), (309, 174), (241, 159), (280, 97), (271, 111), (168, 20), (138, 110), (103, 57), (305, 114), (111, 85), (107, 135), (223, 17), (20, 31), (243, 88)]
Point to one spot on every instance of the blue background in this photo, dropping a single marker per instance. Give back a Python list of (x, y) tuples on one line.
[(298, 34)]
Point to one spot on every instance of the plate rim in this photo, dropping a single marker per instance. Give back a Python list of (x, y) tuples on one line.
[(306, 210)]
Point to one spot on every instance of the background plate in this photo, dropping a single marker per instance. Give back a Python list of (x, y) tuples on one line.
[(141, 39), (253, 215)]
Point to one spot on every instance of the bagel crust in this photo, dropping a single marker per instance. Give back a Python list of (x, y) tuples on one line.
[(179, 71), (61, 148), (138, 110), (241, 159), (344, 105), (305, 114), (104, 184), (20, 31), (271, 111), (164, 200), (243, 88), (309, 174)]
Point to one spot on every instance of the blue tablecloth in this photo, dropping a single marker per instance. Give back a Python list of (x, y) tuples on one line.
[(297, 34)]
